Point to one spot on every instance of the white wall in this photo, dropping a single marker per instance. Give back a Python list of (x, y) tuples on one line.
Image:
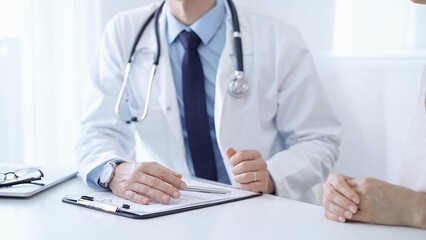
[(314, 19), (111, 7), (375, 99)]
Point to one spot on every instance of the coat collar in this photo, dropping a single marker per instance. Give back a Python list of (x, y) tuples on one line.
[(147, 42)]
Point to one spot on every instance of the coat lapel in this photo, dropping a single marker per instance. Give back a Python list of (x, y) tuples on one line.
[(225, 104), (163, 88)]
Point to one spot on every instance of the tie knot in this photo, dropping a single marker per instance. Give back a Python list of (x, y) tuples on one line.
[(189, 40)]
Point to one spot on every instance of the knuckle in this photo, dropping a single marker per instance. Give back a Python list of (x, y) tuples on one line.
[(238, 179), (263, 164), (339, 185), (144, 189), (335, 178), (141, 166), (326, 205), (170, 190), (333, 208), (154, 181), (136, 198), (328, 193), (238, 155), (331, 216), (128, 195), (154, 164), (328, 215), (235, 170), (257, 153), (125, 185), (243, 166), (143, 178), (162, 174), (331, 177)]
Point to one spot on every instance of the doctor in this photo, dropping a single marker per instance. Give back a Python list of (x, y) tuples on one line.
[(272, 131)]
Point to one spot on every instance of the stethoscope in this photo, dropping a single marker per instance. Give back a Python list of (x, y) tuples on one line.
[(238, 86)]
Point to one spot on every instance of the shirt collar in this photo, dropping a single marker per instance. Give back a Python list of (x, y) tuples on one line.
[(205, 27)]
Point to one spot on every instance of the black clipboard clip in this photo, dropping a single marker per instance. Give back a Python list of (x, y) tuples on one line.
[(102, 204)]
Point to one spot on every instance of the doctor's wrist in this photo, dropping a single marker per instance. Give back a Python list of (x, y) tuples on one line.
[(107, 173), (271, 186)]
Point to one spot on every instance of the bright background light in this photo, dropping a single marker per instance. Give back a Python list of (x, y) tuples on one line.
[(369, 53), (11, 18)]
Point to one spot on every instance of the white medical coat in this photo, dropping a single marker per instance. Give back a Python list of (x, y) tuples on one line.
[(286, 115)]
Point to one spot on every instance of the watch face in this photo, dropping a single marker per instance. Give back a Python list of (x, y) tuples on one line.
[(106, 174)]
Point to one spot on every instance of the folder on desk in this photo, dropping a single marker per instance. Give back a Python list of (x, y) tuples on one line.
[(52, 176), (189, 200)]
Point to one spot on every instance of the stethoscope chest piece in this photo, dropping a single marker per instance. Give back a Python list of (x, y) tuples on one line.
[(238, 87)]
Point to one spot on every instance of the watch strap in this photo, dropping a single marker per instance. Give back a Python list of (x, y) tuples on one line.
[(114, 164)]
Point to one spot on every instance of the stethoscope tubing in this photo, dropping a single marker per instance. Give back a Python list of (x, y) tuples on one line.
[(234, 85)]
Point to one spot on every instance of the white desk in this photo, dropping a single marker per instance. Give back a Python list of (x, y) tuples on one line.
[(45, 217)]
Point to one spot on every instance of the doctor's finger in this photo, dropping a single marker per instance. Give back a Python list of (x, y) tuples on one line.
[(248, 177), (165, 174), (230, 152), (160, 185), (134, 197), (244, 155), (331, 195), (150, 193), (254, 187), (248, 166)]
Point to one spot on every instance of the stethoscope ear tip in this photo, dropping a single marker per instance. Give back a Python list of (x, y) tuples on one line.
[(132, 120)]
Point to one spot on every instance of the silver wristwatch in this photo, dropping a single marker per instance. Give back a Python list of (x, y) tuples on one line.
[(107, 173)]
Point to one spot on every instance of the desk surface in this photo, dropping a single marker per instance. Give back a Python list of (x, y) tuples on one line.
[(44, 216)]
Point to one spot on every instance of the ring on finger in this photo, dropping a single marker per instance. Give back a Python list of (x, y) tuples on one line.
[(254, 176)]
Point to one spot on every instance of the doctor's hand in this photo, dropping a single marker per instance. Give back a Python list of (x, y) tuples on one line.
[(143, 182), (250, 170), (340, 201)]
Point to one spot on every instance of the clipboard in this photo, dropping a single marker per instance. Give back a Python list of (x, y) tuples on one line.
[(190, 200)]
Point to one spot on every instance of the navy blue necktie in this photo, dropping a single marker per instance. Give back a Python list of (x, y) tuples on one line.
[(194, 101)]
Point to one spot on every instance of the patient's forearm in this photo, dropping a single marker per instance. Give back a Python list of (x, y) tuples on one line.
[(419, 211)]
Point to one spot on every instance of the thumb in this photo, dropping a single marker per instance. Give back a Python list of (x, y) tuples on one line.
[(230, 152)]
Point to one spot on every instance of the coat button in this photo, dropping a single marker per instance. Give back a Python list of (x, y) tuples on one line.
[(168, 109)]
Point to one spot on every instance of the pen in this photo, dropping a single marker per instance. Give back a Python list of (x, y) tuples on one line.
[(105, 201), (206, 190)]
